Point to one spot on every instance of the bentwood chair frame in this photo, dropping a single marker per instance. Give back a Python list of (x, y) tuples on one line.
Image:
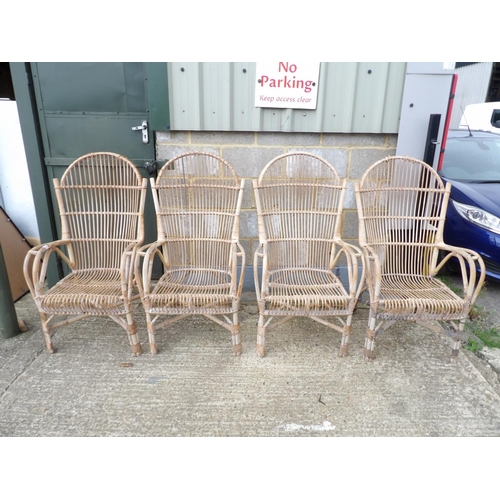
[(197, 198), (299, 199), (402, 208), (101, 200)]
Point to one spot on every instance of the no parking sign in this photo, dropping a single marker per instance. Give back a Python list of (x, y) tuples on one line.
[(287, 85)]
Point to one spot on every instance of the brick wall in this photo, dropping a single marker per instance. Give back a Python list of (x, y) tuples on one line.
[(249, 152)]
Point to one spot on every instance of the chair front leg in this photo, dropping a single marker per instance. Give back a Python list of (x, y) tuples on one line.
[(46, 333), (151, 334), (261, 337), (370, 337), (236, 336), (344, 345), (133, 337), (457, 342)]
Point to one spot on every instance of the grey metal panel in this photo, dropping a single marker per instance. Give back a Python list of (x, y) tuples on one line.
[(352, 97), (472, 88), (245, 115), (394, 98), (337, 91), (184, 96), (425, 94)]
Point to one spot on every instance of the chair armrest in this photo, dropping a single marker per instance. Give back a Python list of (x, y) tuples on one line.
[(260, 253), (373, 270), (472, 284), (127, 265), (147, 253), (238, 254), (355, 258), (37, 260)]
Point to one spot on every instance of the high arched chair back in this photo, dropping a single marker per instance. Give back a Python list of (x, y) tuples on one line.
[(197, 199), (101, 208), (299, 198), (402, 205), (101, 199)]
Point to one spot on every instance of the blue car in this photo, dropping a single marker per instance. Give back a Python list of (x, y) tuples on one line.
[(472, 164)]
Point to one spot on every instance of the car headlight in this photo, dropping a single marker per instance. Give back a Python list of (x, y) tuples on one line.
[(478, 216)]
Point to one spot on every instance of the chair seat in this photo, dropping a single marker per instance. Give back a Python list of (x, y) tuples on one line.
[(418, 298), (192, 291), (97, 292), (308, 292)]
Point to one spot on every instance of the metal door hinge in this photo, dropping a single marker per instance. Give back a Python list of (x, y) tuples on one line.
[(145, 133)]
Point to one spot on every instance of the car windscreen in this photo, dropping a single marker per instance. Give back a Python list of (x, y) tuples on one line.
[(472, 159)]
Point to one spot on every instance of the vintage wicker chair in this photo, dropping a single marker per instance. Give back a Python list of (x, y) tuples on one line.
[(101, 200), (402, 207), (197, 197), (299, 198)]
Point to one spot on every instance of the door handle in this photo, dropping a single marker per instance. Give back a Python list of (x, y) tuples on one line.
[(145, 132)]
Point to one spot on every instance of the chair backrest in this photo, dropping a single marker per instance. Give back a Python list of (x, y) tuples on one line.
[(197, 198), (299, 203), (101, 204), (402, 207)]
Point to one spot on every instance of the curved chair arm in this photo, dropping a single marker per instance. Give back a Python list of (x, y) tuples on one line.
[(468, 260), (238, 252), (355, 258), (127, 265), (373, 270), (260, 253), (147, 253), (37, 260)]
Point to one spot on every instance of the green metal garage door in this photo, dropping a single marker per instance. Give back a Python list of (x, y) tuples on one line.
[(86, 107)]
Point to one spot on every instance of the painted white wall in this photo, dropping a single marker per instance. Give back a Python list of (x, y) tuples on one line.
[(16, 197)]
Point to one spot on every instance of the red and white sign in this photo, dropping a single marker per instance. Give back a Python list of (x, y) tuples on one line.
[(286, 85)]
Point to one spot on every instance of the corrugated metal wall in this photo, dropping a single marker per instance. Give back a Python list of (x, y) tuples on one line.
[(472, 87), (352, 97)]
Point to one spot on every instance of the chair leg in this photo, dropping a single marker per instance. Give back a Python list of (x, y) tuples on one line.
[(46, 333), (236, 336), (344, 345), (151, 334), (133, 338), (457, 342), (261, 337), (370, 338), (369, 345)]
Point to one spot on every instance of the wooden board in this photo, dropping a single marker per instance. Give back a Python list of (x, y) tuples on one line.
[(14, 249)]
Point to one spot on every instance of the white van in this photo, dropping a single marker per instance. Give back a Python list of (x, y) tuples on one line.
[(483, 116)]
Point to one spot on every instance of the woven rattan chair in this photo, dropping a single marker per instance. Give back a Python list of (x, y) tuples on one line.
[(299, 198), (197, 197), (101, 204), (402, 206)]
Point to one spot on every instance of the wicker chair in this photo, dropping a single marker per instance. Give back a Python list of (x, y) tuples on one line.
[(197, 197), (101, 200), (299, 198), (402, 207)]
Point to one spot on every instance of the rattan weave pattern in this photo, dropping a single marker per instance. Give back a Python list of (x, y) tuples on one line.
[(197, 199), (402, 208), (299, 198), (101, 200)]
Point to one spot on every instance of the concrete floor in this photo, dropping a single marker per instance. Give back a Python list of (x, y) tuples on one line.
[(93, 386)]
